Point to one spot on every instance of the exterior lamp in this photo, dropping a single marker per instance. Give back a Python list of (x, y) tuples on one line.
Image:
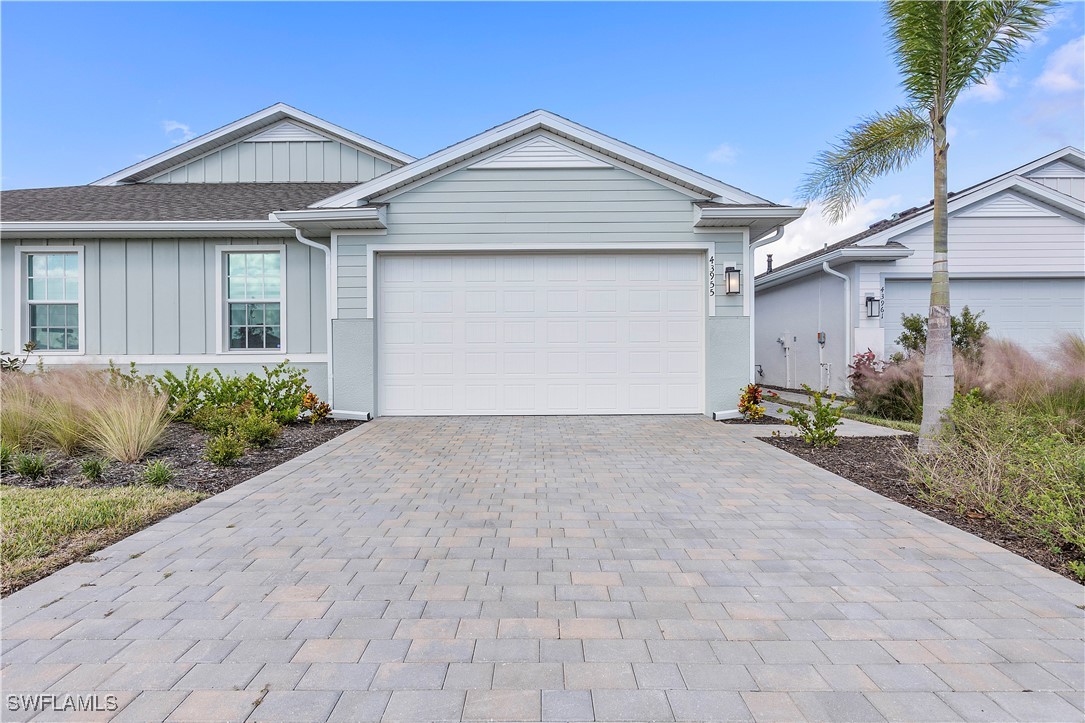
[(873, 308), (732, 280)]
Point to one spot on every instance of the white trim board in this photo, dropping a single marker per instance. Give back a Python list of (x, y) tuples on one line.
[(22, 307), (186, 359), (705, 247)]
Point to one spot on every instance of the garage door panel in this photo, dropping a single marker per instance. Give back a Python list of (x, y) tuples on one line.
[(540, 334)]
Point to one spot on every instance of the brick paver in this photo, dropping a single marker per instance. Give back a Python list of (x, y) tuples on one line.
[(554, 568)]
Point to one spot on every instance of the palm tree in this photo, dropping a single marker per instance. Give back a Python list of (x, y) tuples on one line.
[(941, 48)]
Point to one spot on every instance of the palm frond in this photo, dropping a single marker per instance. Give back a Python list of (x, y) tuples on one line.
[(994, 36), (874, 147), (942, 48)]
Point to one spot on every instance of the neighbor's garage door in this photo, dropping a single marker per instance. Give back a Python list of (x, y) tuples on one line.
[(540, 333), (1031, 312)]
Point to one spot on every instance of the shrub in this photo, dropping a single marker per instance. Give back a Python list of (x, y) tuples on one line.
[(317, 409), (817, 427), (214, 420), (225, 449), (126, 423), (1012, 463), (967, 331), (749, 403), (30, 465), (92, 468), (157, 473), (891, 390), (258, 430), (280, 390)]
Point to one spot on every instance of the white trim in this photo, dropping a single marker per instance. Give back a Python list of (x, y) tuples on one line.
[(562, 127), (702, 216), (221, 347), (207, 359), (22, 303), (371, 250), (345, 414), (140, 229), (846, 254), (323, 221), (242, 127)]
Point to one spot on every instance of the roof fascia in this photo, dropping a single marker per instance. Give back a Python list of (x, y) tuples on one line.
[(126, 229), (840, 256), (539, 120), (1031, 188)]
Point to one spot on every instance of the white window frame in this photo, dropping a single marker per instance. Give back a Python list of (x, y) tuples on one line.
[(222, 325), (22, 299)]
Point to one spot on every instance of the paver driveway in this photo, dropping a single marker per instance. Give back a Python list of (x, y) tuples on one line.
[(601, 568)]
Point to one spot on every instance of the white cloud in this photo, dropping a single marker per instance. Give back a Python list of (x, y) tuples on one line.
[(987, 90), (723, 154), (1064, 70), (813, 230), (177, 132)]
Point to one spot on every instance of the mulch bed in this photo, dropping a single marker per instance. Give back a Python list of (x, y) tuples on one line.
[(764, 420), (183, 446), (877, 463)]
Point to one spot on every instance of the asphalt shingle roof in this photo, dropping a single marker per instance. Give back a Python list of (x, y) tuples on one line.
[(162, 201)]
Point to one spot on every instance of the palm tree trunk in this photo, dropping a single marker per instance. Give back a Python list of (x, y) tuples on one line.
[(938, 357)]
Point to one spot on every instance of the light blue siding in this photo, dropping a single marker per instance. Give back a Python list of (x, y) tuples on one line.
[(158, 296), (279, 161)]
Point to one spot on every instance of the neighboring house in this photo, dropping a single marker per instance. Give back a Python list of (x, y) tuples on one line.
[(1016, 253), (539, 267)]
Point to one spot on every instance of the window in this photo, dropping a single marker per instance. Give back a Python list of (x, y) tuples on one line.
[(253, 297), (52, 298)]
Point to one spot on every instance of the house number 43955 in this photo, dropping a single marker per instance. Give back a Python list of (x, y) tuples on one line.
[(711, 275)]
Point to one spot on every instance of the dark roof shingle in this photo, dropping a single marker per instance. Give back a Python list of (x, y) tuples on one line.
[(162, 201)]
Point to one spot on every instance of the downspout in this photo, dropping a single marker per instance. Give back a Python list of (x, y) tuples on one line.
[(848, 331), (763, 241), (748, 263), (329, 303)]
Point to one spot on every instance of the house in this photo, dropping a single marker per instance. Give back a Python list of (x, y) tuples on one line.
[(1016, 253), (539, 267)]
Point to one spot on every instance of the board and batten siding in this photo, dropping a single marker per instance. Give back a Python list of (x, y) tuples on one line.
[(538, 207), (158, 296), (279, 161), (1062, 177)]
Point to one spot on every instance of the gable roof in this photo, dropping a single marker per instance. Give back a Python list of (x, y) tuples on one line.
[(919, 214), (161, 201), (245, 127), (696, 183)]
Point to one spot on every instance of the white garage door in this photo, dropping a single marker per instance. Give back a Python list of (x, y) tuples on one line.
[(540, 333), (1031, 312)]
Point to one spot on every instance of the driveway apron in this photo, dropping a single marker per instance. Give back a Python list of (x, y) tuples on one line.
[(554, 568)]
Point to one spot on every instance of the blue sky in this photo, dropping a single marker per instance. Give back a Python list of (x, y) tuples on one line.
[(746, 92)]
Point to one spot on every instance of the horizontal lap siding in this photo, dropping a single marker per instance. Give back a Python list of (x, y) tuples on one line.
[(528, 206), (157, 296), (998, 246)]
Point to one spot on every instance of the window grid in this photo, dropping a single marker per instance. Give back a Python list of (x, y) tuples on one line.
[(253, 293), (52, 295)]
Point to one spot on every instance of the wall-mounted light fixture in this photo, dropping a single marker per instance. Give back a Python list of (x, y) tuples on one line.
[(873, 307), (732, 280)]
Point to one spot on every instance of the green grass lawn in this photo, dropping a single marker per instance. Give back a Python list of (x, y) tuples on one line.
[(45, 529)]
